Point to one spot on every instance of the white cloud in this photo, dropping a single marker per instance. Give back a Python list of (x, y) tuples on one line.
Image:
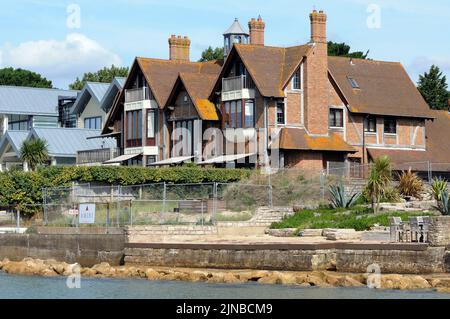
[(59, 61), (422, 64)]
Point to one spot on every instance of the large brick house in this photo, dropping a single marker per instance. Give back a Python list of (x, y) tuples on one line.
[(309, 109)]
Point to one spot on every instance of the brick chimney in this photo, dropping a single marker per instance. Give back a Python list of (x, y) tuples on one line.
[(256, 27), (179, 48), (316, 77)]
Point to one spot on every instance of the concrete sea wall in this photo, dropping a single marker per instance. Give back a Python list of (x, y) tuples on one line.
[(85, 249)]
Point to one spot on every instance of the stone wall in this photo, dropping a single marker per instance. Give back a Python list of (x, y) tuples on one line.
[(144, 233), (87, 250), (342, 257), (439, 231)]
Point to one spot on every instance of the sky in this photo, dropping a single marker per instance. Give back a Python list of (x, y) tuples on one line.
[(64, 39)]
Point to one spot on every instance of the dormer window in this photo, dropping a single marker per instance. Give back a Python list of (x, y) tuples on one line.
[(353, 83), (296, 81)]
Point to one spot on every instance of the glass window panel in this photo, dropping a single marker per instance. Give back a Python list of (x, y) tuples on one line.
[(239, 114), (249, 114), (151, 124), (233, 114)]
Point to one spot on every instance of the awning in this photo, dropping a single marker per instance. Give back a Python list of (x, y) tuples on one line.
[(172, 161), (225, 159), (104, 135), (121, 159)]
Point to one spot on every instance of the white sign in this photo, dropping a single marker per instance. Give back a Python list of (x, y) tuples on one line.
[(87, 214)]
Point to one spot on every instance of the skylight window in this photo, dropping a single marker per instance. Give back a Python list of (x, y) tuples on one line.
[(353, 83)]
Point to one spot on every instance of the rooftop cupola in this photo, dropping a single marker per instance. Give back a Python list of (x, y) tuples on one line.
[(234, 34)]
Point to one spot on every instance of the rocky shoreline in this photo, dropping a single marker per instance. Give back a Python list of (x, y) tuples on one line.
[(323, 279)]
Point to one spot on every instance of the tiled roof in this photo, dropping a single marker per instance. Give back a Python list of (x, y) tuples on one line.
[(31, 101), (199, 87), (162, 74), (384, 88), (66, 142), (235, 28), (298, 139)]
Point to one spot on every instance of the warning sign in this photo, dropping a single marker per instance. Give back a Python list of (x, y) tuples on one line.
[(87, 214)]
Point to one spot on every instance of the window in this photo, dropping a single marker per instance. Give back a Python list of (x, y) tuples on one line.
[(280, 113), (249, 113), (296, 81), (370, 124), (151, 160), (151, 124), (18, 123), (353, 83), (390, 126), (93, 123), (336, 118), (134, 128)]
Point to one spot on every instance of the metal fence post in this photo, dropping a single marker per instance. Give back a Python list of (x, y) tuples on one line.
[(44, 197), (119, 197), (131, 212), (430, 172), (322, 185), (214, 213), (18, 220), (270, 196), (163, 210)]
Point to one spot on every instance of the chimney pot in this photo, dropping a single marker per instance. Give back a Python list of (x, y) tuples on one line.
[(179, 47), (257, 29)]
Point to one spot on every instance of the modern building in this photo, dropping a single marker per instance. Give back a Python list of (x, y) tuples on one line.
[(307, 109), (63, 145)]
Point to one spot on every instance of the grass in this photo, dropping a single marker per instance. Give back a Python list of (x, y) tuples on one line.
[(358, 218), (239, 217)]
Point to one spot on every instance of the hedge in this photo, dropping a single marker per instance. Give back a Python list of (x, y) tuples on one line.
[(17, 187)]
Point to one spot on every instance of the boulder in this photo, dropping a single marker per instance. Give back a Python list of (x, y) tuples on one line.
[(271, 279), (104, 269), (252, 275), (343, 234), (151, 274), (286, 232), (311, 233)]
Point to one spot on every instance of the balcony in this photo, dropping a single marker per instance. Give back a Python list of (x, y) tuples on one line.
[(238, 87), (141, 98), (96, 157)]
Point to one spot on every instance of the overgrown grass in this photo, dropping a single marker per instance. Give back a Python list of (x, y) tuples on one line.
[(358, 218)]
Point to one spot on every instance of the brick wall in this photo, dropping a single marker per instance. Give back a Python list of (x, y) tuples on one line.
[(303, 160)]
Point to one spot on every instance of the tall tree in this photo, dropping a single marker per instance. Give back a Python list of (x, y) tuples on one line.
[(342, 49), (34, 152), (20, 77), (212, 54), (433, 87), (105, 75)]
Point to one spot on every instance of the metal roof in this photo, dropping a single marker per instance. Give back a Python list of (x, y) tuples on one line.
[(236, 28), (108, 99), (91, 90), (66, 142), (31, 101), (15, 138)]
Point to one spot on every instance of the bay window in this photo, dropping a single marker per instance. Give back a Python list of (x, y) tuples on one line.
[(239, 114), (134, 128)]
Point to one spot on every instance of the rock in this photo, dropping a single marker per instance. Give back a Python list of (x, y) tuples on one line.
[(288, 279), (227, 277), (48, 273), (88, 272), (71, 269), (343, 234), (198, 276), (311, 233), (271, 279), (404, 282), (151, 274), (286, 232), (176, 276), (104, 269), (252, 275)]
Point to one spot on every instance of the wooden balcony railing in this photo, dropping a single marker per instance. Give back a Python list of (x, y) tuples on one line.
[(136, 95), (237, 83)]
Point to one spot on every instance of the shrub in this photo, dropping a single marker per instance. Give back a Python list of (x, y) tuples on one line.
[(444, 204), (439, 185), (410, 184), (380, 178), (340, 199)]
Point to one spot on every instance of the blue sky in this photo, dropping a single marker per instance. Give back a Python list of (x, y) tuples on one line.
[(35, 34)]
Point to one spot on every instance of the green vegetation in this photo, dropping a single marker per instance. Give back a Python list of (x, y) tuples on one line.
[(20, 77), (211, 54), (444, 203), (342, 49), (340, 198), (410, 184), (359, 218), (433, 87), (34, 152), (439, 185), (380, 179), (105, 75)]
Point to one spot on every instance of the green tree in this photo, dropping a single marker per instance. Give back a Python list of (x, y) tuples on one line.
[(20, 77), (211, 54), (342, 49), (433, 87), (379, 181), (105, 75), (34, 152)]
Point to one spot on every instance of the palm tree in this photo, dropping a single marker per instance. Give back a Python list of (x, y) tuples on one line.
[(380, 178), (34, 152)]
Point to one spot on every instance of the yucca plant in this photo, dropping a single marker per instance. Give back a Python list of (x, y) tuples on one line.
[(438, 186), (339, 197), (443, 203), (410, 184), (34, 152), (380, 179)]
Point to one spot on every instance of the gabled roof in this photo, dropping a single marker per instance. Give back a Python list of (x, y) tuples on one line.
[(298, 139), (270, 67), (31, 101), (114, 88), (198, 86), (235, 28), (66, 142), (92, 90), (384, 88), (162, 74), (15, 139)]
